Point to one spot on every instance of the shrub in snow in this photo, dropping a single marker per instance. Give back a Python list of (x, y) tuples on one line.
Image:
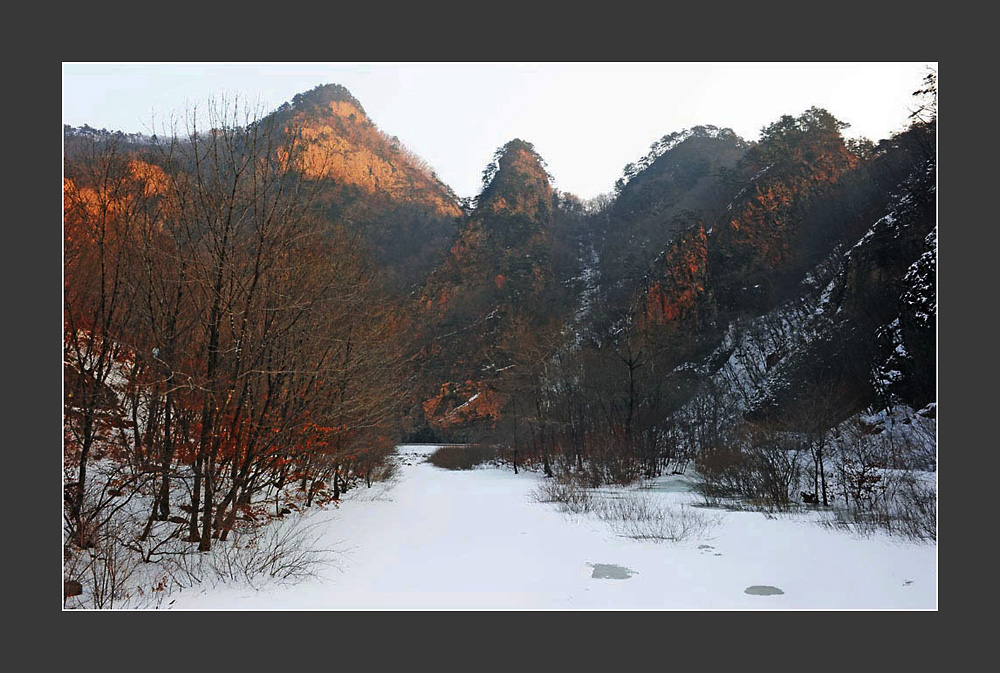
[(565, 491), (756, 463), (286, 551), (884, 466)]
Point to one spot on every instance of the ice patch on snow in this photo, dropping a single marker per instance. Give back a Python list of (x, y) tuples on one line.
[(763, 590), (610, 571)]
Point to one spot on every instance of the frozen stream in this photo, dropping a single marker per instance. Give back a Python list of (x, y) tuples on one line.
[(439, 539)]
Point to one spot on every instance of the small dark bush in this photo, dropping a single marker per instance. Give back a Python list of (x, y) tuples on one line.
[(463, 457)]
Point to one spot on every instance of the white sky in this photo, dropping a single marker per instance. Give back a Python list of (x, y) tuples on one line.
[(586, 120)]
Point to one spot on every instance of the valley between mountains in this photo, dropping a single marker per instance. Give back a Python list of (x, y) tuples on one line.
[(301, 373)]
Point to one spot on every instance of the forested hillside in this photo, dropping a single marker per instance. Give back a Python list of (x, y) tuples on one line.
[(220, 330), (814, 274)]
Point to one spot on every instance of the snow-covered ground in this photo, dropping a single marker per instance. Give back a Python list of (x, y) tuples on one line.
[(476, 539)]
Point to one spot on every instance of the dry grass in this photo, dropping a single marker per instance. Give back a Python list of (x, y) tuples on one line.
[(630, 514), (645, 518)]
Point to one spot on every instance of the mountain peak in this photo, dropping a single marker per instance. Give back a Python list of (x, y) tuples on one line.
[(672, 141), (515, 178), (328, 97), (343, 144)]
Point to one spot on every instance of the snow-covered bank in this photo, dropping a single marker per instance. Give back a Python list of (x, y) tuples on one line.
[(476, 539)]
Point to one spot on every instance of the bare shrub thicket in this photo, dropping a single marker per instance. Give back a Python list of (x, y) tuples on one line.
[(610, 459), (286, 551), (882, 481), (567, 493), (873, 473), (101, 526), (757, 463), (917, 514), (910, 513), (107, 570), (123, 571)]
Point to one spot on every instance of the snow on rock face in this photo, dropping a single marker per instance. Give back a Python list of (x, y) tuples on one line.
[(920, 281)]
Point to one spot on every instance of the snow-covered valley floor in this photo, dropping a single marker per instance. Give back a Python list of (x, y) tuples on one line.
[(476, 539)]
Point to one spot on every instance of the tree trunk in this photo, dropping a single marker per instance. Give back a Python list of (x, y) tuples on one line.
[(163, 499), (515, 437), (206, 531), (822, 476), (195, 500), (816, 469), (168, 405), (77, 503)]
